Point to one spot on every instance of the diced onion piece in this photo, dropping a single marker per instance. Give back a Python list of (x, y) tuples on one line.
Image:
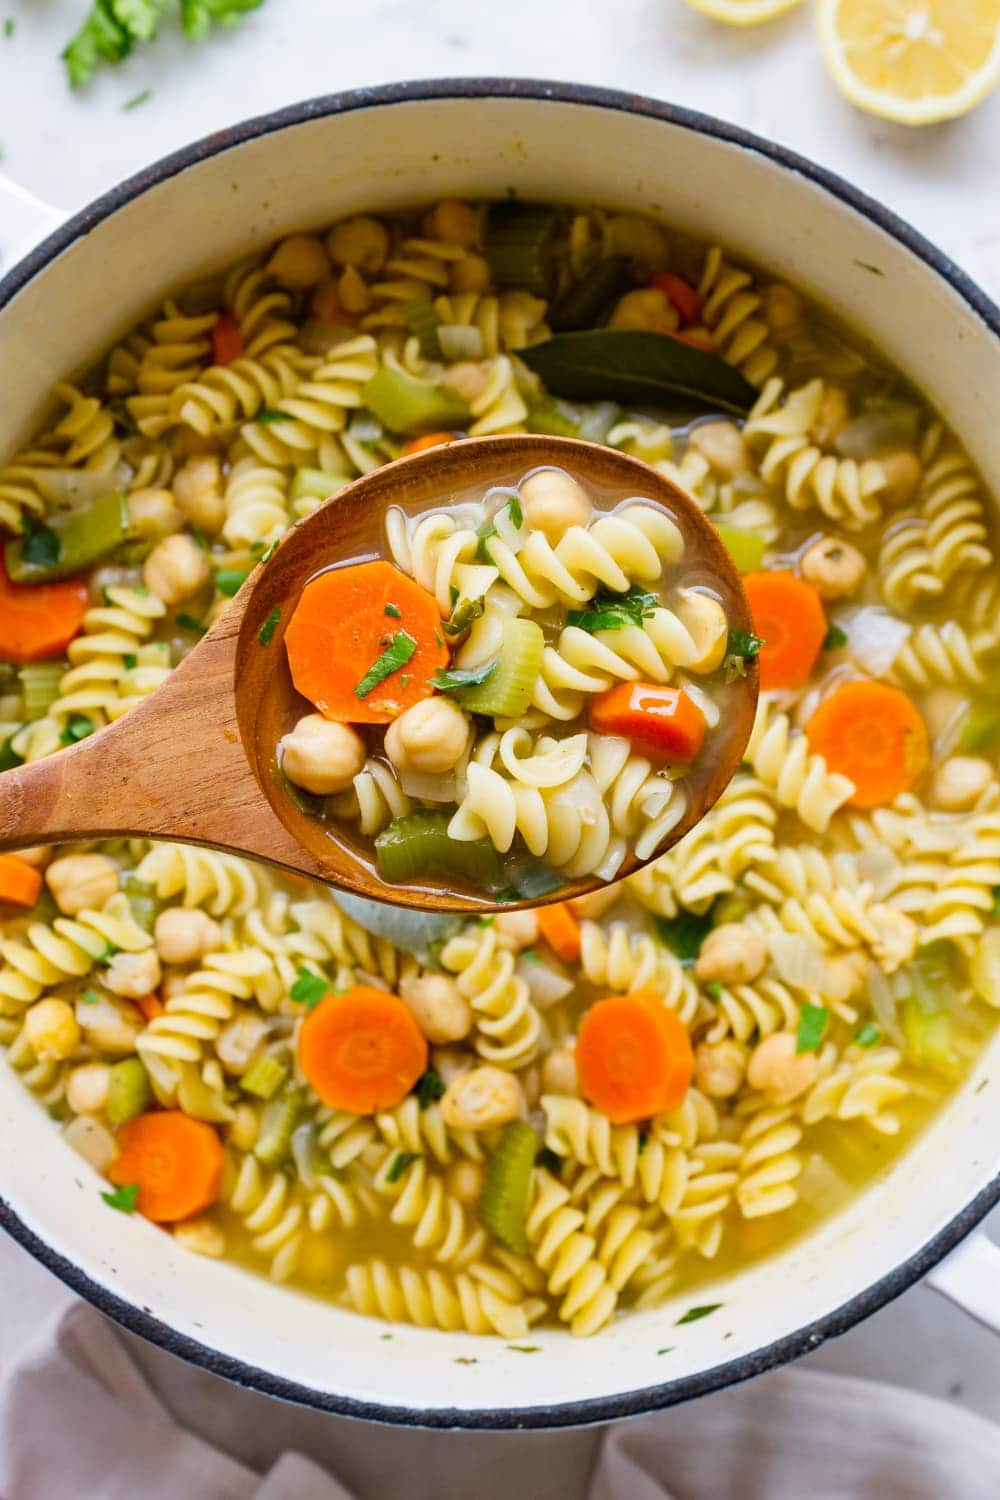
[(797, 961), (91, 1140), (875, 637), (546, 985), (428, 787), (880, 868), (882, 994)]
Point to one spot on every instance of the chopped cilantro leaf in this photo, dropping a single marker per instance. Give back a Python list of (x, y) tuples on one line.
[(229, 581), (515, 512), (77, 727), (199, 16), (309, 988), (683, 934), (867, 1035), (396, 655), (742, 646), (125, 1199), (130, 661), (834, 638), (812, 1025), (188, 622), (400, 1162), (451, 679), (693, 1314), (429, 1088), (608, 611), (394, 611), (453, 593), (263, 551), (266, 633)]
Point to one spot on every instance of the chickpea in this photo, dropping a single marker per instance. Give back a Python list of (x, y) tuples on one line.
[(638, 237), (355, 298), (455, 223), (705, 621), (559, 1074), (470, 378), (37, 855), (202, 1237), (87, 1088), (243, 1128), (719, 1068), (723, 445), (732, 953), (176, 569), (647, 307), (198, 491), (109, 1026), (299, 262), (470, 274), (778, 1071), (833, 415), (516, 929), (184, 935), (51, 1030), (81, 882), (554, 501), (450, 1063), (960, 782), (431, 736), (897, 936), (153, 513), (464, 1181), (482, 1099), (902, 473), (321, 756), (133, 974), (438, 1006), (783, 306), (362, 242), (834, 568), (240, 1040)]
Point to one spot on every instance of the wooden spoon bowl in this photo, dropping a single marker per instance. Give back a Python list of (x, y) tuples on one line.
[(196, 761)]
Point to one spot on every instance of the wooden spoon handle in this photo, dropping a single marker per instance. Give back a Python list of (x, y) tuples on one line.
[(174, 767)]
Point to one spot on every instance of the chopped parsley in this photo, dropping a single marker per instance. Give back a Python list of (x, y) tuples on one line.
[(684, 934), (309, 988), (266, 633), (130, 661), (125, 1199), (229, 581), (525, 1348), (41, 548), (694, 1314), (867, 1035), (834, 638), (713, 989), (515, 512), (531, 955), (430, 1087), (112, 28), (741, 647), (77, 727), (464, 615), (450, 679), (396, 655), (137, 99), (404, 681), (89, 997), (484, 533), (394, 611), (548, 1159), (812, 1025), (608, 611), (668, 1349), (267, 416), (263, 551), (399, 1164), (188, 622)]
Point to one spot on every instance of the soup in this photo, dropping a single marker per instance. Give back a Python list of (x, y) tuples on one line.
[(557, 1114)]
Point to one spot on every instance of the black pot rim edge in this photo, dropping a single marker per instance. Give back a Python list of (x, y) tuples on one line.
[(141, 1321)]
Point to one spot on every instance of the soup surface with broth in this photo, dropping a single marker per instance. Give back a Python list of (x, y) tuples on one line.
[(550, 1115)]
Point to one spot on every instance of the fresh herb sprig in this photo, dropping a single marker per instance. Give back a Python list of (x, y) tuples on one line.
[(608, 611), (112, 28)]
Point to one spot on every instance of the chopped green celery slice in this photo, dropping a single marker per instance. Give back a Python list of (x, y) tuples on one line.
[(129, 1092), (419, 845), (422, 321), (503, 1202), (506, 693), (745, 549), (408, 405), (551, 417), (981, 730), (932, 968), (143, 901), (280, 1117), (315, 484), (70, 542), (519, 245), (264, 1077), (927, 1033), (588, 300), (39, 682)]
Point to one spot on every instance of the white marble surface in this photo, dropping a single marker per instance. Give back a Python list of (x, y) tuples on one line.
[(68, 148)]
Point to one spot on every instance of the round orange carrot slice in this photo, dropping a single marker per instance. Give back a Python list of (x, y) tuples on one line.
[(872, 734)]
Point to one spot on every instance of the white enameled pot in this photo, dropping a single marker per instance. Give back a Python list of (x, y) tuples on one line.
[(391, 148)]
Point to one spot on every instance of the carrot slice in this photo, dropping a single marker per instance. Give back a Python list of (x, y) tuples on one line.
[(660, 721), (633, 1057), (788, 616), (560, 929), (20, 882), (150, 1007), (345, 620), (428, 440), (227, 341), (38, 620), (176, 1163), (362, 1051), (681, 294), (872, 734)]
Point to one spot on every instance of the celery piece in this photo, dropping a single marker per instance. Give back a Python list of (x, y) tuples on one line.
[(932, 969), (927, 1033), (145, 904), (70, 542), (264, 1077), (519, 246), (315, 484), (280, 1117), (551, 417), (422, 321), (39, 683), (408, 405), (745, 549), (980, 733), (129, 1092), (503, 1202), (506, 693), (589, 299), (419, 845)]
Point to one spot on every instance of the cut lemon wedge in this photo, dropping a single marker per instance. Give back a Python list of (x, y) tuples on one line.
[(913, 61), (742, 12)]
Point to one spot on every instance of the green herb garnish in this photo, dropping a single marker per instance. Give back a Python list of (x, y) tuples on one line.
[(531, 955), (525, 1348), (430, 1087), (812, 1024), (125, 1199), (89, 997), (399, 1164), (463, 616), (263, 551), (548, 1159), (834, 638), (396, 655), (266, 633), (515, 512), (267, 416), (77, 727), (229, 581), (394, 611), (867, 1035), (484, 533), (713, 989), (41, 548), (684, 934), (188, 622), (137, 99), (741, 647), (693, 1314), (130, 661), (608, 611), (309, 988), (450, 679), (112, 28), (8, 27)]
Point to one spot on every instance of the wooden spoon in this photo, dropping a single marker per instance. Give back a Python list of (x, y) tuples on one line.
[(195, 760)]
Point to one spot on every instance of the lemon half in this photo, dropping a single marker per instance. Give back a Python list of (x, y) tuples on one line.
[(913, 61), (742, 12)]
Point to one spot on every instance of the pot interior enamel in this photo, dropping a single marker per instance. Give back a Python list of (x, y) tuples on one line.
[(387, 152)]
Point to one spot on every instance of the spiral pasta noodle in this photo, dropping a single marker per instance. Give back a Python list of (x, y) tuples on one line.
[(730, 311)]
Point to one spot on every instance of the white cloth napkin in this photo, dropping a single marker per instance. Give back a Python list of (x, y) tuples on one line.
[(79, 1422)]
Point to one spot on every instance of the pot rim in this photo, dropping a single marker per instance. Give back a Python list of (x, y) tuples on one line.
[(140, 1320)]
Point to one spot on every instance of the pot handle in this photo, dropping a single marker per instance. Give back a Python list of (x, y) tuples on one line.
[(24, 221), (970, 1277)]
